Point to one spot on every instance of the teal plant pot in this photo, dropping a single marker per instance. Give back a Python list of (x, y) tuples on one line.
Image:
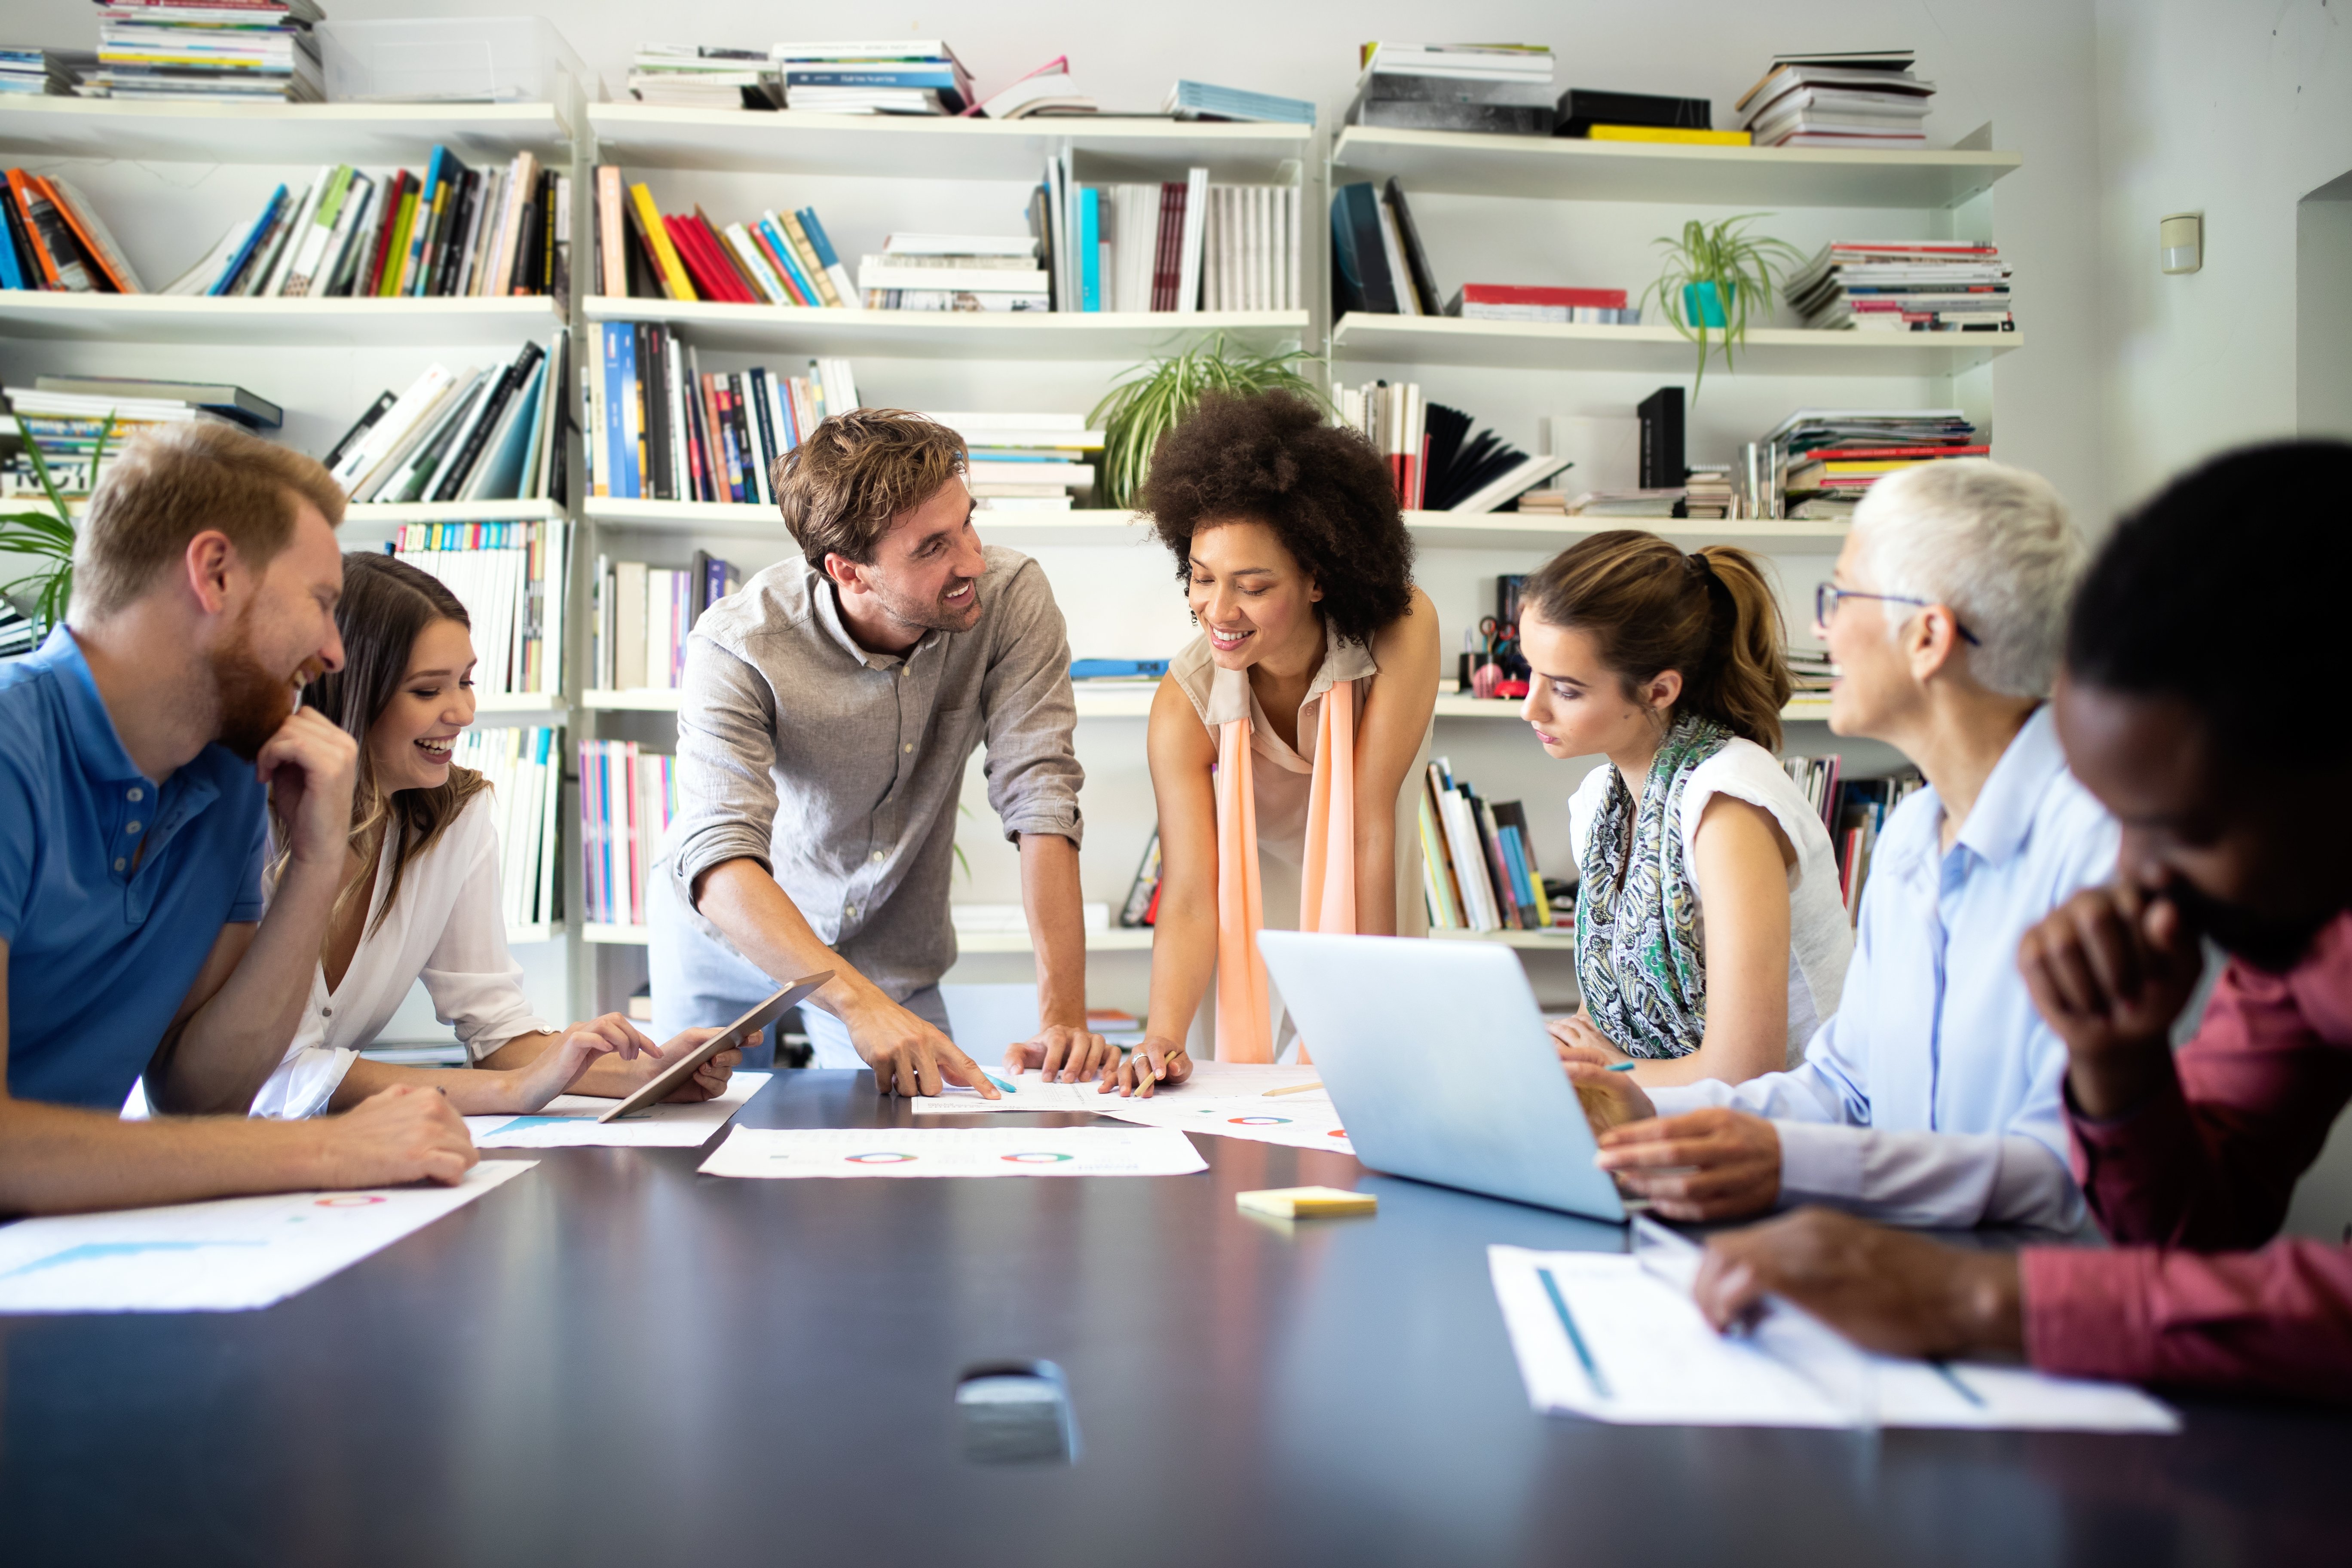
[(1703, 307)]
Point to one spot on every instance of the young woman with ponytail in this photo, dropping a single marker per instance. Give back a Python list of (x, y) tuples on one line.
[(1710, 934)]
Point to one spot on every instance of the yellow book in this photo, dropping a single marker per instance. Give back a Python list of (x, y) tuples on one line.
[(673, 271), (1671, 133), (395, 259), (1871, 465), (805, 254)]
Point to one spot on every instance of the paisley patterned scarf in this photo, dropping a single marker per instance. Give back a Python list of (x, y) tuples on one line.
[(1638, 958)]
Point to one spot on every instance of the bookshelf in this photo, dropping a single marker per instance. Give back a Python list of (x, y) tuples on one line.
[(278, 324), (1565, 168), (1660, 351), (362, 133)]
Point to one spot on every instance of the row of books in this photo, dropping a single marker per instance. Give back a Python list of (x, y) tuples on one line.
[(1905, 285), (629, 798), (1855, 810), (1497, 88), (511, 577), (67, 419), (57, 241), (642, 615), (1178, 246), (455, 232), (494, 434), (525, 767), (1866, 99), (1477, 866), (776, 258), (232, 51), (659, 428)]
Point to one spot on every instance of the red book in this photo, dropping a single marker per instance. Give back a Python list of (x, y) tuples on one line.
[(1538, 294), (394, 194), (1167, 271), (710, 280), (1871, 454)]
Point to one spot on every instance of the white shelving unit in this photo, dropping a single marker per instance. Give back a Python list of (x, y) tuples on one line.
[(1662, 351), (362, 133), (277, 323)]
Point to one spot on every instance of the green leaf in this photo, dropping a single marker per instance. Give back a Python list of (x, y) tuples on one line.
[(1152, 398)]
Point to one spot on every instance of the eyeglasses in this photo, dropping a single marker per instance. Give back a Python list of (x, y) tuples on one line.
[(1827, 595)]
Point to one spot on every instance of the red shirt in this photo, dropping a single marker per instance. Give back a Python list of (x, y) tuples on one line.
[(2206, 1168)]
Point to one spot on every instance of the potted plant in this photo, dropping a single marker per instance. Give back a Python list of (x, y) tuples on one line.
[(1717, 277), (47, 537), (1155, 396)]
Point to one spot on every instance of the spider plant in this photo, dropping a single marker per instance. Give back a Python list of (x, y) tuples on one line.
[(1152, 398), (47, 537), (1717, 276)]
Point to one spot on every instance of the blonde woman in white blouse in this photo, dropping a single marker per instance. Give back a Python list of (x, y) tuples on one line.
[(421, 894)]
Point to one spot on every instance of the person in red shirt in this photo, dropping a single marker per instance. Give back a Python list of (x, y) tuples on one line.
[(2188, 705)]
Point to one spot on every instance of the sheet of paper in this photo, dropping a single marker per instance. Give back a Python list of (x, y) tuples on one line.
[(569, 1122), (905, 1151), (226, 1255), (1027, 1092), (1306, 1120), (1598, 1335)]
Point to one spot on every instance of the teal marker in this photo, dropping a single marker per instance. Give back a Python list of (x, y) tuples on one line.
[(1625, 1067), (1575, 1339), (1000, 1083)]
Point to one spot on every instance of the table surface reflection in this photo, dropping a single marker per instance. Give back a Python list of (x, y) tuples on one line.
[(616, 1360)]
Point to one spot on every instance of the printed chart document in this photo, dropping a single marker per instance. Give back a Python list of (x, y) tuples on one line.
[(903, 1151), (229, 1255), (569, 1122), (1227, 1099), (1600, 1335)]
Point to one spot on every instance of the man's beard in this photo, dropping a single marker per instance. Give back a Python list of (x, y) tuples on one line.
[(2264, 943), (254, 703), (933, 616)]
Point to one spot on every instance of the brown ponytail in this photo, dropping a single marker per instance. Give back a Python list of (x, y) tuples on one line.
[(1651, 608)]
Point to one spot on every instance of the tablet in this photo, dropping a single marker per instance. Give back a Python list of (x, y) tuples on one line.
[(666, 1082)]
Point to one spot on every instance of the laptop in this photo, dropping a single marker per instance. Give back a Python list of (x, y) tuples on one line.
[(1436, 1057)]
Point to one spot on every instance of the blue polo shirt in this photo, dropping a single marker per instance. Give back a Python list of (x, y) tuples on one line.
[(102, 943)]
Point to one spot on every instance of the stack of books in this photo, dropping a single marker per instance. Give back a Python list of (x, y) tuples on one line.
[(511, 577), (662, 430), (64, 417), (456, 232), (1707, 493), (1662, 501), (704, 76), (1477, 864), (775, 259), (1543, 302), (1810, 672), (902, 75), (1606, 116), (1543, 502), (475, 434), (1025, 462), (629, 798), (18, 635), (1865, 99), (955, 273), (1904, 285), (642, 616), (1199, 100), (56, 240), (1825, 458), (32, 72), (244, 51), (525, 767), (1503, 88)]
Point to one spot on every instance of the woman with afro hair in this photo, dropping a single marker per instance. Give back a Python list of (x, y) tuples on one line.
[(1286, 741)]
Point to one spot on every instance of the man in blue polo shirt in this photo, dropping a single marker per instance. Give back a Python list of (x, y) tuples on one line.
[(141, 749)]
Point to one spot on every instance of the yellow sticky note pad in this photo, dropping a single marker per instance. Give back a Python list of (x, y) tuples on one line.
[(1305, 1203)]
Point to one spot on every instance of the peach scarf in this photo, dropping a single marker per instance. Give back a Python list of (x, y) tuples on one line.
[(1327, 899)]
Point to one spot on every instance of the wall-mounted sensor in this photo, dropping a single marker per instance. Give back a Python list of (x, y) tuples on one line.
[(2181, 236)]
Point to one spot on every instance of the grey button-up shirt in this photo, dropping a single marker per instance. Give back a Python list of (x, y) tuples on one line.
[(839, 769)]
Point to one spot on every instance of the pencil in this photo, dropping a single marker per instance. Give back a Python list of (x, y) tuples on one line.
[(1575, 1340), (1292, 1088)]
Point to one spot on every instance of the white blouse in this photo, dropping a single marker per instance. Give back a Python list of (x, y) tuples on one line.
[(446, 927), (1820, 937)]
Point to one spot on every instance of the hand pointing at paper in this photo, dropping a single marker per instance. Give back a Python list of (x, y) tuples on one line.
[(1886, 1291)]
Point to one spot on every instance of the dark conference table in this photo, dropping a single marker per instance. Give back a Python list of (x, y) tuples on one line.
[(613, 1360)]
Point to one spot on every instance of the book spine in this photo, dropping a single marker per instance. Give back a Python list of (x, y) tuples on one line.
[(828, 262), (668, 267)]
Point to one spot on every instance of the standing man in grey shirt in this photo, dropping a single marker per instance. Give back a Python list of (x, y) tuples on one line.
[(825, 718)]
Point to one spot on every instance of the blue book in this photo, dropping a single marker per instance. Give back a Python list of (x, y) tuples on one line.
[(252, 238), (1090, 249), (1515, 856), (934, 77), (1116, 668), (11, 275), (809, 290), (1200, 100), (503, 476), (824, 256)]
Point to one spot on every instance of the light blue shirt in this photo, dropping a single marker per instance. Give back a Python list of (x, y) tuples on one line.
[(1936, 1034)]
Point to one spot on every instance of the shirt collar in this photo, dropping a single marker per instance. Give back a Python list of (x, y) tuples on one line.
[(827, 600), (2003, 816), (96, 747)]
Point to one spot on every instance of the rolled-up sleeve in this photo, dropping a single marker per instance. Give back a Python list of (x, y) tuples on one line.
[(1031, 767), (474, 982), (726, 762)]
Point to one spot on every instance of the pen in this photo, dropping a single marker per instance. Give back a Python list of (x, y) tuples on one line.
[(1575, 1340), (1622, 1066), (1292, 1088), (1944, 1370), (998, 1082)]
